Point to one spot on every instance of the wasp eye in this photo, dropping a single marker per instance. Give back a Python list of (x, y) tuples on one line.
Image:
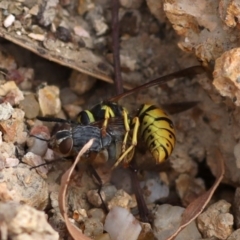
[(65, 146)]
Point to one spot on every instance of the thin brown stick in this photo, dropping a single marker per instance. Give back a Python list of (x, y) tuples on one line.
[(115, 45)]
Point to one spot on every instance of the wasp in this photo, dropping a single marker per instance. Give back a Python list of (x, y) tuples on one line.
[(112, 127), (110, 124), (151, 124)]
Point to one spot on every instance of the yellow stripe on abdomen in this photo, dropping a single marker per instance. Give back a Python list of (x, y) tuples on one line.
[(157, 131)]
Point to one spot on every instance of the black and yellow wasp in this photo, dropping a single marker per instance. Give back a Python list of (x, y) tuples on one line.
[(111, 126), (151, 125), (109, 123)]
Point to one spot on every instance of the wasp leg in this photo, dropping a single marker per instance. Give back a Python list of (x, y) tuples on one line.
[(144, 213), (131, 148), (108, 114), (100, 185), (127, 129)]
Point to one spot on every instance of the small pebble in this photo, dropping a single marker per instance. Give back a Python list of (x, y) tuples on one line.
[(30, 106), (49, 155), (54, 200), (9, 20), (80, 215), (11, 162), (38, 37), (216, 221), (93, 227), (37, 146), (11, 93), (109, 191), (96, 18), (235, 235), (18, 114), (34, 10), (96, 213), (6, 111), (226, 75), (25, 186), (80, 82), (48, 98), (63, 34), (27, 75), (46, 17), (189, 188), (7, 150), (181, 162), (121, 224), (147, 232), (121, 199), (84, 6), (81, 32), (25, 222), (35, 160), (166, 221), (72, 110), (154, 190), (94, 198), (14, 128), (67, 96)]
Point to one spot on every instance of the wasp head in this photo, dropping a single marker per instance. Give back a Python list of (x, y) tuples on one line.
[(61, 140)]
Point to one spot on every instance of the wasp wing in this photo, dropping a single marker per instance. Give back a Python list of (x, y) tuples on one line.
[(187, 72), (173, 108)]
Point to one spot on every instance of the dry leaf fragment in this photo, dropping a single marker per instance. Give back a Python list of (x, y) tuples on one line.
[(73, 230), (197, 206)]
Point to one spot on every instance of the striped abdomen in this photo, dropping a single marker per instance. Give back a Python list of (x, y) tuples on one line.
[(157, 131)]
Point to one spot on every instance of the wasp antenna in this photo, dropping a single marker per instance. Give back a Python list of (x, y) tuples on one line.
[(42, 164), (42, 139), (53, 119), (60, 159)]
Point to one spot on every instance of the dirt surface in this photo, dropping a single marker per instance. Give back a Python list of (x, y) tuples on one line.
[(56, 60)]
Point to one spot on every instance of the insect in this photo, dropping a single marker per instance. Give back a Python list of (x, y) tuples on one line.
[(68, 137), (112, 127), (110, 124), (151, 124)]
